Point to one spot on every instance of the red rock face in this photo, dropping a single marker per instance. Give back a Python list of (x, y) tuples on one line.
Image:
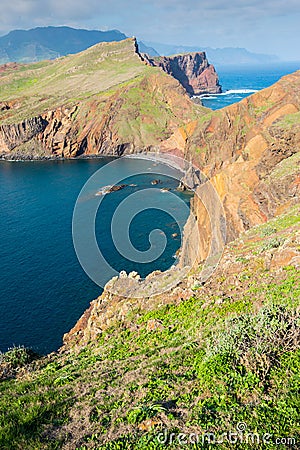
[(192, 70)]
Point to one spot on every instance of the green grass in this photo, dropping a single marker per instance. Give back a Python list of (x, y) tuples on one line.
[(111, 88), (96, 70), (206, 365), (269, 235), (287, 167), (289, 121), (258, 111)]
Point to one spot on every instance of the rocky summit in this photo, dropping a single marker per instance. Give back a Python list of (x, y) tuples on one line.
[(212, 354)]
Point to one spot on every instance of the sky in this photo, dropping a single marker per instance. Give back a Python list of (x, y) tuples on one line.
[(261, 26)]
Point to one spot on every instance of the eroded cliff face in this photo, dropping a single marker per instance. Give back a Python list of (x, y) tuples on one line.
[(192, 70), (250, 152), (105, 100), (137, 116), (12, 136), (277, 244)]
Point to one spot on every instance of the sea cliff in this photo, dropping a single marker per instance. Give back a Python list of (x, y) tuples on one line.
[(105, 100), (210, 354), (192, 70), (254, 172)]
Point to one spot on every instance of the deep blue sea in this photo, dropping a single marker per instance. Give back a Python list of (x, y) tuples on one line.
[(43, 288), (240, 82)]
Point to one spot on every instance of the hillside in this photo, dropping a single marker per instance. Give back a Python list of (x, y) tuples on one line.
[(250, 153), (200, 361), (102, 100), (38, 44), (217, 355)]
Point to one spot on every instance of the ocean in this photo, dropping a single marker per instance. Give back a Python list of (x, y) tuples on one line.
[(43, 288), (240, 82)]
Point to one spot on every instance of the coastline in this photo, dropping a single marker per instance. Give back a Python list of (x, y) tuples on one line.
[(9, 158)]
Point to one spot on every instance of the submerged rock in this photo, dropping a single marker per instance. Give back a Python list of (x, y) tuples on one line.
[(110, 189)]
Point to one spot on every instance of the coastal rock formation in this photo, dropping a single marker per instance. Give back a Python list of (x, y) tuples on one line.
[(250, 153), (146, 354), (249, 150), (13, 135), (251, 157), (116, 113), (277, 248), (192, 70)]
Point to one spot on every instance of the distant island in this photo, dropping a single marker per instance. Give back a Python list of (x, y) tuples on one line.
[(42, 43)]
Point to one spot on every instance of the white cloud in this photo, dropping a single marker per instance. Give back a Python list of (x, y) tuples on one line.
[(209, 22)]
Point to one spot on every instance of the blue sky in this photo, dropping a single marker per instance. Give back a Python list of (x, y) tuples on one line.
[(263, 26)]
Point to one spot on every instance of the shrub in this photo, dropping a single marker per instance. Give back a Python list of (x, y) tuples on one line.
[(18, 356), (252, 343), (268, 230), (271, 243), (143, 412)]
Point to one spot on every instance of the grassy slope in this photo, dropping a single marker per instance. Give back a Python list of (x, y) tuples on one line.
[(229, 354), (48, 84), (115, 94)]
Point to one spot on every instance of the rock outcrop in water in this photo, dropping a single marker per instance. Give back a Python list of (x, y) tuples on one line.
[(192, 70)]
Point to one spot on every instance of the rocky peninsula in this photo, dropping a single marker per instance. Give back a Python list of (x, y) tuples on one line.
[(211, 353)]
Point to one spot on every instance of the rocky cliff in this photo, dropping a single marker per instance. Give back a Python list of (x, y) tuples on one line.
[(209, 353), (192, 70), (105, 100), (246, 150), (125, 104), (200, 358), (250, 154)]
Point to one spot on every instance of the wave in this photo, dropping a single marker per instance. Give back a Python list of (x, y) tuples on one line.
[(239, 91), (229, 92)]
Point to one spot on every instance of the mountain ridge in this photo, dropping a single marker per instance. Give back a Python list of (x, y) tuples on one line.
[(124, 105), (51, 42)]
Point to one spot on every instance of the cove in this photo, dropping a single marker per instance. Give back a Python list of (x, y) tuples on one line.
[(44, 289)]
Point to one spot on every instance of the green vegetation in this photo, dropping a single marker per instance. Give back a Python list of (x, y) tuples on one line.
[(287, 167), (41, 86), (289, 120), (259, 110), (269, 235), (228, 355), (114, 92), (17, 357), (144, 113)]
